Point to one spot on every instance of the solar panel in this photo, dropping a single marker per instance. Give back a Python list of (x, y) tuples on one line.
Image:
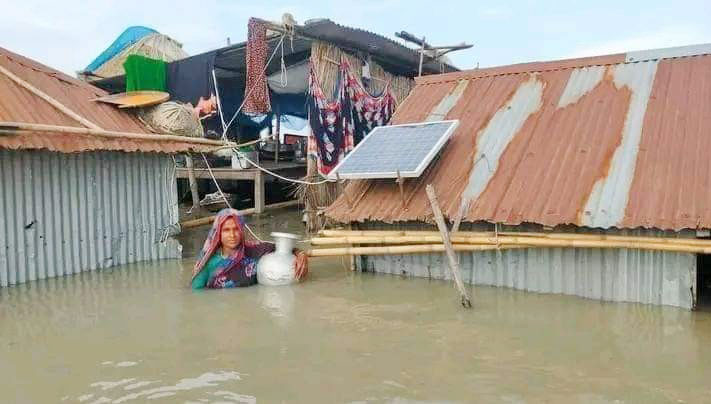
[(387, 150)]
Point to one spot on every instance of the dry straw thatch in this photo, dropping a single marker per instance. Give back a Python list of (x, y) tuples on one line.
[(154, 46)]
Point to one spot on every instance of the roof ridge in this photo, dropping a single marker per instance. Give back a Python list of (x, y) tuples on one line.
[(570, 63)]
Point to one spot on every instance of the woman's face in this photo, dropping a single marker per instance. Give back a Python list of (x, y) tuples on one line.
[(230, 236)]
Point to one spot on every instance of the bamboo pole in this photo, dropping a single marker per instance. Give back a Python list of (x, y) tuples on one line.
[(11, 127), (402, 249), (551, 236), (245, 212), (451, 256), (522, 241), (53, 102), (464, 205)]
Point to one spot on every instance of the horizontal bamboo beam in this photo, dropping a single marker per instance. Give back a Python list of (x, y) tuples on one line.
[(16, 127), (425, 239), (523, 241), (401, 249), (551, 236), (245, 212)]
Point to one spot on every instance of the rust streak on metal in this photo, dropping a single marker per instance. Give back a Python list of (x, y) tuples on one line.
[(672, 183), (547, 171)]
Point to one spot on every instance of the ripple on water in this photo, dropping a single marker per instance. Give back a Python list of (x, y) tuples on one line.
[(208, 379)]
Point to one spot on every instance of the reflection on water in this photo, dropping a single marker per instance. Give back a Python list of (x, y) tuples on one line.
[(138, 334)]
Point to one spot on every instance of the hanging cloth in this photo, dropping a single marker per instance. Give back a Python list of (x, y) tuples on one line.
[(191, 78), (368, 111), (144, 73), (331, 125), (341, 124), (256, 92)]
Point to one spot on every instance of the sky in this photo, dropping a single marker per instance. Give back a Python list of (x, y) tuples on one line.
[(68, 35)]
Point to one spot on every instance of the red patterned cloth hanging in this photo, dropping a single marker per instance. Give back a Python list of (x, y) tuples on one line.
[(331, 125), (336, 127), (368, 111), (256, 92)]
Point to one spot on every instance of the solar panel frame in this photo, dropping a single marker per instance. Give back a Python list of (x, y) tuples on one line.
[(453, 124)]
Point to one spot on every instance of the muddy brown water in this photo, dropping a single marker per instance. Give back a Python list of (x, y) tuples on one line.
[(137, 333)]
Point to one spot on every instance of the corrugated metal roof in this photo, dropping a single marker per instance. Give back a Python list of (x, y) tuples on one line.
[(611, 141), (17, 104), (387, 51)]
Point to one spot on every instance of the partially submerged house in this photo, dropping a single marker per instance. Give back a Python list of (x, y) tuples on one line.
[(291, 51), (83, 185), (614, 144)]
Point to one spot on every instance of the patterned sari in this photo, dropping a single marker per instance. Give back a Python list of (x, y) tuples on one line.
[(240, 267)]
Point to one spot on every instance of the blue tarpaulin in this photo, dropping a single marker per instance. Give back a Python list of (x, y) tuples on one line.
[(130, 36)]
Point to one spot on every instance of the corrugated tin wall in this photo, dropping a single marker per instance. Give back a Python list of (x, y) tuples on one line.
[(618, 275), (67, 213)]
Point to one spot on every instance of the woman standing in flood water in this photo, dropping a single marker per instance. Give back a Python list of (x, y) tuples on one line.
[(227, 260)]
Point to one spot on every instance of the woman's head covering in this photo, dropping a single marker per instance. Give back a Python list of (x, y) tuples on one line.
[(213, 242)]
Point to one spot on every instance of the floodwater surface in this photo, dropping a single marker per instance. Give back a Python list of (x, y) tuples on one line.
[(137, 333)]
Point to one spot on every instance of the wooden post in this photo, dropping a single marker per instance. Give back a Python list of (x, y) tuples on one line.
[(258, 192), (451, 256), (278, 140), (193, 183), (422, 57)]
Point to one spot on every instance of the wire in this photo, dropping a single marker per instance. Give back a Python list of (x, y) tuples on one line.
[(272, 173), (222, 194), (251, 142), (246, 97)]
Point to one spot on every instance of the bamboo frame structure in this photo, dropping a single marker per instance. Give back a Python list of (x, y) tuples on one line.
[(402, 249), (527, 242), (17, 127), (510, 239), (551, 236)]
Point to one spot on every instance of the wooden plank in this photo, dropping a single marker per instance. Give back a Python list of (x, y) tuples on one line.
[(451, 256)]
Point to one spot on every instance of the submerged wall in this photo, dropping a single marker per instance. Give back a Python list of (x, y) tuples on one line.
[(618, 275), (62, 214)]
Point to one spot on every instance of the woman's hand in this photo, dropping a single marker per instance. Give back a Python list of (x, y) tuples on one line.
[(301, 265)]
